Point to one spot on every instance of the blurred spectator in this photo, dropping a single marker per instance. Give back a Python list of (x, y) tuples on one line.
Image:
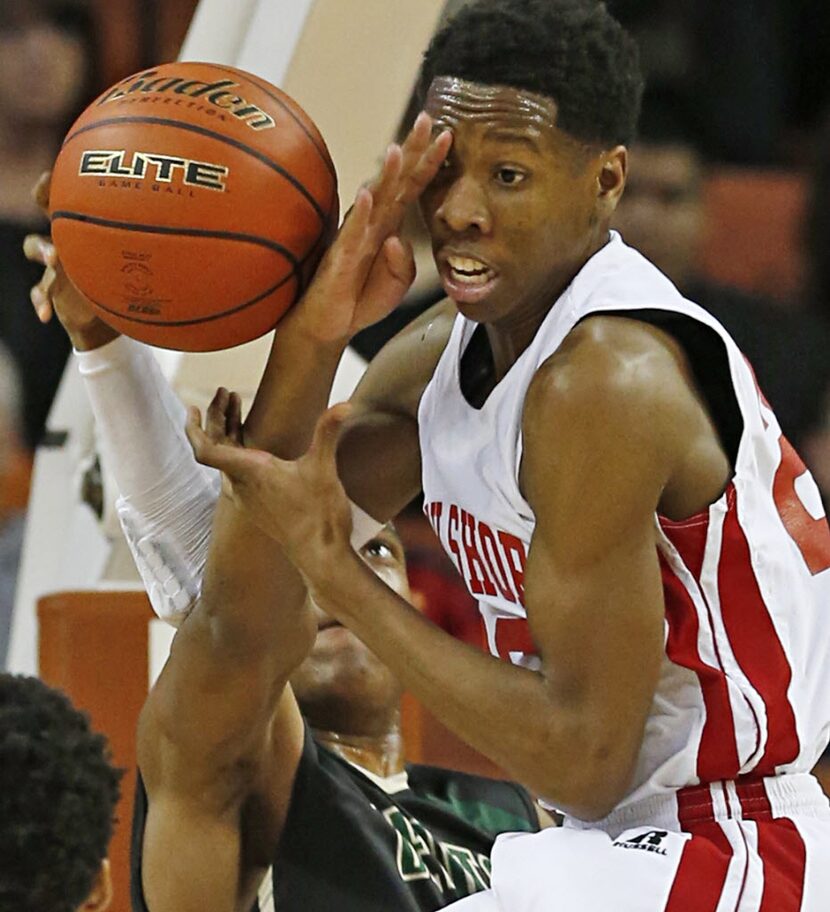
[(47, 74), (11, 519), (662, 215), (735, 95), (58, 792), (750, 73)]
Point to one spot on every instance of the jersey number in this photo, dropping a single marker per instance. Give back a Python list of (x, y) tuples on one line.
[(812, 536)]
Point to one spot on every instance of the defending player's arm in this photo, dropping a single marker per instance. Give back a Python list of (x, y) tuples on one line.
[(592, 579), (220, 735)]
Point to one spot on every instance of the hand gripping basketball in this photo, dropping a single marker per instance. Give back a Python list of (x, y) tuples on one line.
[(55, 294)]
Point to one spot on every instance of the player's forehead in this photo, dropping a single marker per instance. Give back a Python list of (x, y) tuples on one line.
[(455, 103)]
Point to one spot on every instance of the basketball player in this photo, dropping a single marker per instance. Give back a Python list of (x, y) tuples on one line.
[(58, 792), (650, 555), (255, 808)]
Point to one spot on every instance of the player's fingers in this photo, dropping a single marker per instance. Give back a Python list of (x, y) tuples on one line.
[(41, 303), (383, 186), (349, 258), (196, 437), (418, 138), (323, 449), (357, 218), (41, 294), (215, 421), (400, 259), (244, 467), (420, 172), (40, 191), (233, 418), (39, 249)]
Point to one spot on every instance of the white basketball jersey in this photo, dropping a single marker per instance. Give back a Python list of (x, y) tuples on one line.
[(744, 689)]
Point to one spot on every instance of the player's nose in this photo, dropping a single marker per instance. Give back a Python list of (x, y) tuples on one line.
[(464, 206)]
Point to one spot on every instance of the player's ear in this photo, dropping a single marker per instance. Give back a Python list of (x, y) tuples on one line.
[(611, 174), (100, 896)]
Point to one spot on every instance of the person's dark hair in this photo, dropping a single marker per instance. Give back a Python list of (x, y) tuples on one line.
[(58, 791), (572, 51)]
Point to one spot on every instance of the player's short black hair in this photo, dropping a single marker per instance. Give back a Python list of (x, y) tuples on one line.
[(572, 51), (58, 791)]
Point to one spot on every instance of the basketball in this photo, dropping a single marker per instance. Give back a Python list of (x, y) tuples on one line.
[(191, 204)]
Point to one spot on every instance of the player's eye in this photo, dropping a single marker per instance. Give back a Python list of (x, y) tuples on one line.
[(509, 177), (378, 549)]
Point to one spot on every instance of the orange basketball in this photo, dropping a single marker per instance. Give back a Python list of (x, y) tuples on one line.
[(191, 203)]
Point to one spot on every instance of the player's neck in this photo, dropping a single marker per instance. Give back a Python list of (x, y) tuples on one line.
[(382, 755), (510, 336)]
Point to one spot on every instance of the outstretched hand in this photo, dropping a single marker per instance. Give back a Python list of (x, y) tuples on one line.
[(369, 267), (301, 503)]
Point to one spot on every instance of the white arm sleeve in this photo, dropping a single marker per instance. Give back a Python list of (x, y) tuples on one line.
[(167, 499)]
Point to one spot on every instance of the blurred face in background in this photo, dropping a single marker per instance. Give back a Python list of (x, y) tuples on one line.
[(42, 72), (661, 211)]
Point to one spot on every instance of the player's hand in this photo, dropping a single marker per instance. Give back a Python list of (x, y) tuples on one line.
[(55, 294), (369, 267), (300, 503)]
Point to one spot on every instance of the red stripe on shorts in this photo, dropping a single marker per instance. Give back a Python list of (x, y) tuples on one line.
[(755, 643), (701, 875), (784, 856)]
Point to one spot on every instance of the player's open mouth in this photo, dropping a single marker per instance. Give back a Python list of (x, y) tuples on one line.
[(466, 279)]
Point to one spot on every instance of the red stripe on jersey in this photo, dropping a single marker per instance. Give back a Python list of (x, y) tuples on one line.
[(689, 537), (755, 643), (785, 858), (513, 635), (701, 875), (718, 752)]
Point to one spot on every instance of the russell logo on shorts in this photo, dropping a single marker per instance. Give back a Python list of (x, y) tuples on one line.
[(650, 841)]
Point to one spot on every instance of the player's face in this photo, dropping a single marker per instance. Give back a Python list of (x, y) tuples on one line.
[(342, 686), (515, 210)]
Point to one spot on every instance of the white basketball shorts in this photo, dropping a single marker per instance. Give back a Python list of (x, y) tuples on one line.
[(774, 864)]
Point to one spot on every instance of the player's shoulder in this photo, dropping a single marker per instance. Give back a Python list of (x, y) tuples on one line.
[(398, 374), (608, 364)]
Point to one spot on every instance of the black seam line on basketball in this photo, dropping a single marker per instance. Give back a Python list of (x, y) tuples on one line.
[(209, 319), (203, 131), (261, 85), (186, 232)]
